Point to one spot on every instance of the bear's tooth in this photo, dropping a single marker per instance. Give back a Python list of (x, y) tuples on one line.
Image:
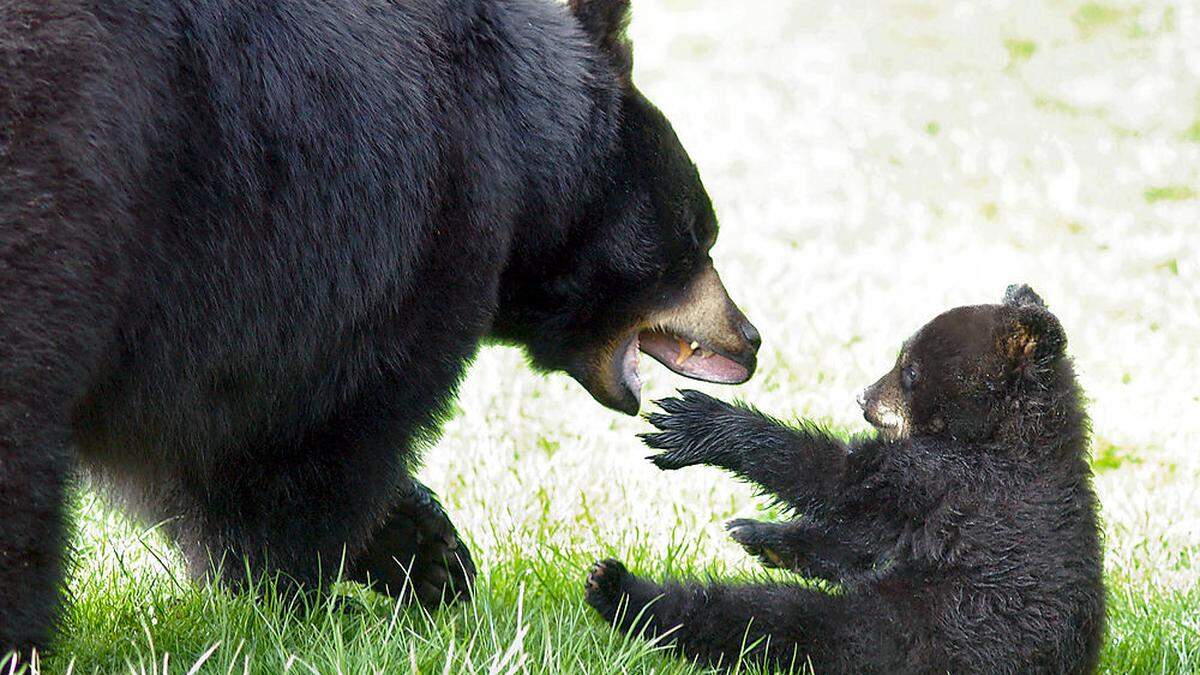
[(685, 351)]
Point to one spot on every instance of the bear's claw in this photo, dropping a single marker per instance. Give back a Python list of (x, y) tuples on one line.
[(418, 553)]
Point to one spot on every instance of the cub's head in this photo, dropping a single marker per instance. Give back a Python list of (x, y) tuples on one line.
[(635, 275), (959, 374)]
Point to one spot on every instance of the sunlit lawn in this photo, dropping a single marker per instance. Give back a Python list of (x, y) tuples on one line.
[(872, 164)]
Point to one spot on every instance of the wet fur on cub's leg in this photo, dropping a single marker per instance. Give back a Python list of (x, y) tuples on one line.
[(720, 624)]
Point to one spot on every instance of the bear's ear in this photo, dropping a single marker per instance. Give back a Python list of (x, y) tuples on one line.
[(1021, 295), (1034, 337), (605, 22)]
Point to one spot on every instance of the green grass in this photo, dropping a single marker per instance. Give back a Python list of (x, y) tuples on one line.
[(1151, 631), (1108, 457), (1170, 193), (1093, 17), (527, 617), (1193, 132), (1019, 50), (872, 165)]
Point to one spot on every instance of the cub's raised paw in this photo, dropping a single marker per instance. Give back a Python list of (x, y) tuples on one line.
[(688, 429), (605, 586)]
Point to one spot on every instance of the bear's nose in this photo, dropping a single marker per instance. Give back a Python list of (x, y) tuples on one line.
[(862, 399), (751, 334)]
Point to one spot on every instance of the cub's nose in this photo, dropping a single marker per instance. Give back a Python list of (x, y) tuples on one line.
[(750, 333), (862, 399)]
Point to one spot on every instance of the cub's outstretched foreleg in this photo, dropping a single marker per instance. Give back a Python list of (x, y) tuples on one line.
[(802, 467)]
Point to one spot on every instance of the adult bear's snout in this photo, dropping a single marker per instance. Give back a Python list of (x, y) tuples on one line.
[(703, 335)]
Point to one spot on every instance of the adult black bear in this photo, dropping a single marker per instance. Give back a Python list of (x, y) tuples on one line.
[(248, 246), (963, 535)]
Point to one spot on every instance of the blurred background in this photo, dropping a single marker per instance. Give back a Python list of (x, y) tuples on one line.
[(872, 164)]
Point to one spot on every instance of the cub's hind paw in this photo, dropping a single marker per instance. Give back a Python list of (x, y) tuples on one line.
[(605, 587)]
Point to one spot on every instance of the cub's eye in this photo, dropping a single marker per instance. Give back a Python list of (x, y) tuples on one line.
[(908, 377)]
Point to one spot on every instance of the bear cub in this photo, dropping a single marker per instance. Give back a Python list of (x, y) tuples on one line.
[(962, 536)]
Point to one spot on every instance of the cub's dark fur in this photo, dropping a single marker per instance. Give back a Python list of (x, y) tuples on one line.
[(963, 536), (248, 246)]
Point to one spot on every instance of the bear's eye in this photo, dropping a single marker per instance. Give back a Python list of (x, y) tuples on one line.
[(908, 377)]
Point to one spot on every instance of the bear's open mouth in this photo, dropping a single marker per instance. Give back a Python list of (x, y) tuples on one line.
[(690, 358)]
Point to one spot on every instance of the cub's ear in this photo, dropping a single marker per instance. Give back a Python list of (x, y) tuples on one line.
[(605, 22), (1035, 337), (1021, 295)]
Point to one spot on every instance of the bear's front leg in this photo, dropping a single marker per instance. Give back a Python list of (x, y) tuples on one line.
[(417, 552)]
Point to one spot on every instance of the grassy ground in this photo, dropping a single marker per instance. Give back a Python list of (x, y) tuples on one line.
[(872, 164)]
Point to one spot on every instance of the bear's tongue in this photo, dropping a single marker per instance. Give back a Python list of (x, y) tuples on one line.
[(690, 359)]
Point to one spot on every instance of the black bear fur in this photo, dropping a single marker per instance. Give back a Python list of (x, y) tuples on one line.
[(248, 247)]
